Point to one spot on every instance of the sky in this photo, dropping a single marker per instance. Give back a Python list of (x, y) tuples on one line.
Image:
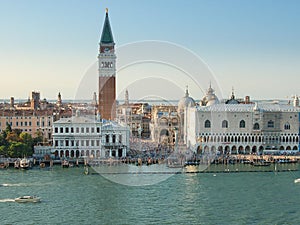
[(251, 46)]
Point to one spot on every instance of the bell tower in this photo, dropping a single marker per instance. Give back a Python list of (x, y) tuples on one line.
[(107, 72)]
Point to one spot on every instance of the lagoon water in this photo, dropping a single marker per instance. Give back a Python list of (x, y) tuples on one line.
[(70, 197)]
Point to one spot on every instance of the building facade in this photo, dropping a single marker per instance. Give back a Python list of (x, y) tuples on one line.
[(83, 136), (243, 128), (165, 122)]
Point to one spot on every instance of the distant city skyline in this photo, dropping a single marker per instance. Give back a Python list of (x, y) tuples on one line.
[(253, 46)]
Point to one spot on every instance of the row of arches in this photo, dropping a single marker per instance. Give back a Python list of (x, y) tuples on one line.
[(89, 153), (251, 138), (234, 149)]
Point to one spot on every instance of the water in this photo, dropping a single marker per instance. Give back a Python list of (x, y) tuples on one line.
[(70, 197)]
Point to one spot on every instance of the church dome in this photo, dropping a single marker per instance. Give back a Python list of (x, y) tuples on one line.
[(185, 102), (210, 98)]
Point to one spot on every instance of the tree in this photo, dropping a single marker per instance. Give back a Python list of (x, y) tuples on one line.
[(12, 136), (3, 151), (18, 150), (38, 138), (26, 139)]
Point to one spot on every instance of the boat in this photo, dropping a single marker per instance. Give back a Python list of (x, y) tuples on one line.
[(17, 164), (194, 167), (297, 180), (65, 164), (86, 170), (27, 198), (4, 165), (261, 163), (25, 163)]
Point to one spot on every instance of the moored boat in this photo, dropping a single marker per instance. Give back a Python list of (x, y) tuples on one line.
[(25, 163), (27, 198), (17, 164), (261, 163), (65, 164)]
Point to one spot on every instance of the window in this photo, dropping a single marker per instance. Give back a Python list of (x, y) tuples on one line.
[(242, 124), (92, 142), (67, 129), (114, 138), (82, 143), (72, 129), (270, 123), (87, 130), (37, 123), (82, 130), (107, 138), (87, 142), (97, 142), (224, 124), (77, 129), (93, 130), (56, 143), (207, 124), (25, 124), (29, 123), (67, 143), (287, 126), (120, 138), (56, 130), (98, 130), (256, 126), (61, 130)]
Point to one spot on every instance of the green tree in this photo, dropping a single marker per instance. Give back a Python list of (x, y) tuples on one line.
[(38, 137), (18, 150), (3, 151), (26, 139)]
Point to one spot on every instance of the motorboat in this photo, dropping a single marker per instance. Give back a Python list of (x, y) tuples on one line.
[(27, 198), (297, 180), (25, 163), (194, 167)]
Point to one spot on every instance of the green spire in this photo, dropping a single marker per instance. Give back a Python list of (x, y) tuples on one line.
[(106, 36)]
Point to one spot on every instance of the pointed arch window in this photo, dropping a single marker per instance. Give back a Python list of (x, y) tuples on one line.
[(256, 126), (207, 124), (224, 124), (287, 126), (242, 124), (270, 124)]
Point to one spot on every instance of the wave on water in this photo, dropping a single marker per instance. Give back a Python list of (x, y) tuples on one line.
[(24, 184), (14, 185), (7, 200)]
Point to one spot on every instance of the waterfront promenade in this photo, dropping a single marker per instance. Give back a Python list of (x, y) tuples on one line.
[(224, 163)]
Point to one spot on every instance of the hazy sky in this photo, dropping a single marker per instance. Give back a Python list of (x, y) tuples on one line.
[(253, 46)]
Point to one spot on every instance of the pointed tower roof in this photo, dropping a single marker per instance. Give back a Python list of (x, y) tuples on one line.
[(106, 36)]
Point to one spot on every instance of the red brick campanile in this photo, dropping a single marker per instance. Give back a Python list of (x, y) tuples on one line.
[(107, 73)]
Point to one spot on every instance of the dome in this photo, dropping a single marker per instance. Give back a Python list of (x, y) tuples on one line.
[(232, 99), (210, 98), (185, 102)]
